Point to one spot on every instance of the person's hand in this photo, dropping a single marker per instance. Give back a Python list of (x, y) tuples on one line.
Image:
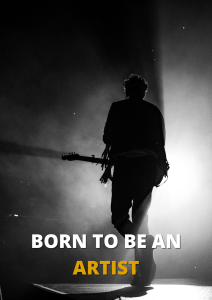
[(106, 175), (105, 156), (159, 176)]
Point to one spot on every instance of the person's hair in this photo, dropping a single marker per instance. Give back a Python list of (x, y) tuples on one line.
[(135, 85)]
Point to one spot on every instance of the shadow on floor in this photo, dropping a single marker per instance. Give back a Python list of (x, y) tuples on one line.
[(129, 292)]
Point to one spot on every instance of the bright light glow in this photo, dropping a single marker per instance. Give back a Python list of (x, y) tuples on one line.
[(162, 291), (183, 174)]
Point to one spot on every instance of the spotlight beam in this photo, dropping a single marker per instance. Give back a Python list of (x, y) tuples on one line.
[(8, 148)]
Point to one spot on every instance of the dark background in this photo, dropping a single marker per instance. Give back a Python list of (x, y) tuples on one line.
[(62, 65)]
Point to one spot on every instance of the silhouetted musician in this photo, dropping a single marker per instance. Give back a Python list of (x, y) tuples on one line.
[(134, 138)]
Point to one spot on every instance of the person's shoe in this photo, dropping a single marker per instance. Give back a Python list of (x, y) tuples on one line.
[(137, 277), (146, 278), (136, 280)]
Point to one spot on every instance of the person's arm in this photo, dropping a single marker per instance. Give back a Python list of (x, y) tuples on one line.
[(161, 161), (107, 139), (160, 140), (109, 127)]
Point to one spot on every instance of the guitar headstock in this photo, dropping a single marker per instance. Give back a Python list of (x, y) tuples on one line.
[(70, 156)]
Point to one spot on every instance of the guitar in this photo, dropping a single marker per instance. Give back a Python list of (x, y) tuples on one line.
[(74, 156)]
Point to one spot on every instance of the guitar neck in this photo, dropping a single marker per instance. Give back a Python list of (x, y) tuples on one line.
[(73, 156), (94, 160)]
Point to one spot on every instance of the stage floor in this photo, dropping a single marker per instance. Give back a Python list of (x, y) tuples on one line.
[(179, 289)]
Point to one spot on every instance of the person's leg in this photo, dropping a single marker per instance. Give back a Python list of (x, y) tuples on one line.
[(133, 178), (141, 203), (139, 215), (121, 201), (146, 269), (142, 230), (140, 222)]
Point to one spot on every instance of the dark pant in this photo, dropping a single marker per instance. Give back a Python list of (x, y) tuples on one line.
[(133, 179)]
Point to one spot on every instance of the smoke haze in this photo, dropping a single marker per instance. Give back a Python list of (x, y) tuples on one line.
[(61, 70)]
